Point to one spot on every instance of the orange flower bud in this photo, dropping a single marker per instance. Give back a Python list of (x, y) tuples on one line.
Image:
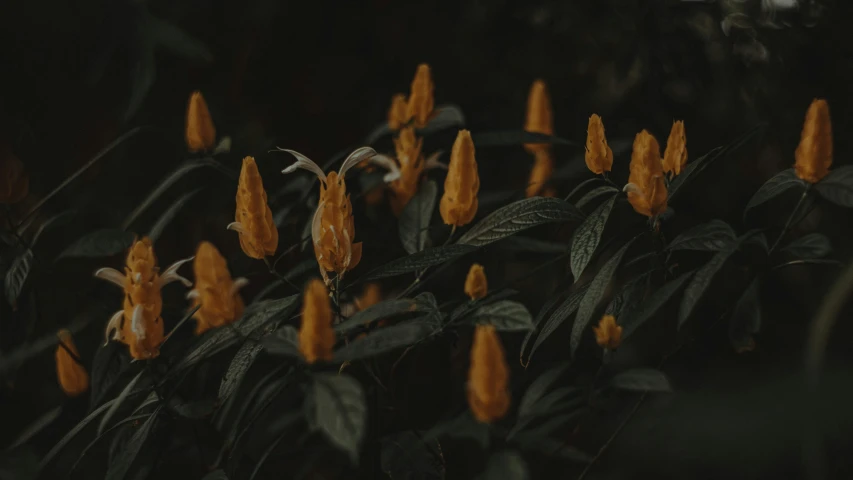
[(72, 376), (397, 112), (459, 202), (333, 227), (476, 285), (488, 376), (539, 116), (214, 290), (14, 180), (421, 101), (543, 168), (371, 295), (201, 134), (607, 334), (316, 335), (139, 324), (814, 153), (253, 219), (598, 156), (675, 156), (408, 148), (646, 188)]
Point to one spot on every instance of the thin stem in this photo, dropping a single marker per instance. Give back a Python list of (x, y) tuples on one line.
[(271, 267), (790, 219), (450, 237), (613, 437)]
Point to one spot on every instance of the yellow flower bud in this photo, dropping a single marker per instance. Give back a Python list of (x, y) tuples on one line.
[(253, 218), (14, 180), (814, 153), (543, 168), (675, 156), (476, 286), (598, 155), (200, 132), (459, 202), (646, 187), (72, 376), (607, 334), (408, 148), (214, 290), (316, 335), (539, 117), (421, 101), (397, 112), (488, 376)]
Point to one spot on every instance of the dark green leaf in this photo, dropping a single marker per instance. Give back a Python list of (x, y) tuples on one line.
[(72, 433), (118, 469), (537, 323), (777, 185), (100, 243), (218, 474), (340, 411), (636, 317), (378, 132), (381, 310), (107, 367), (584, 184), (144, 73), (837, 187), (414, 220), (641, 379), (240, 364), (746, 318), (463, 425), (596, 193), (537, 389), (588, 235), (34, 428), (555, 401), (169, 214), (119, 401), (52, 222), (594, 295), (446, 116), (194, 410), (628, 296), (418, 261), (176, 40), (515, 137), (552, 423), (385, 340), (506, 465), (695, 167), (536, 442), (405, 456), (712, 236), (16, 276), (700, 282), (284, 342), (812, 245), (526, 244), (563, 312), (519, 216), (505, 315)]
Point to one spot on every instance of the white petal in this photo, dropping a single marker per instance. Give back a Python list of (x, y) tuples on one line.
[(111, 275), (137, 278), (388, 163), (113, 324), (236, 226), (224, 146), (432, 161), (193, 294), (171, 274), (238, 284), (305, 163), (348, 246), (354, 158), (317, 225), (632, 188), (137, 325)]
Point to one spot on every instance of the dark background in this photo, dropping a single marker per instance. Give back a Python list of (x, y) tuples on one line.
[(316, 76)]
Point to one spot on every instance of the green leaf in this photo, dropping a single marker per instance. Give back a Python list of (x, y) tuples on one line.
[(284, 341), (380, 311), (384, 340), (583, 185), (588, 235), (144, 73), (695, 167), (641, 379), (35, 427), (540, 317), (563, 312), (535, 441), (519, 216), (627, 296), (515, 137), (746, 318), (594, 294), (777, 185), (16, 276), (812, 245), (636, 317), (700, 282), (537, 389), (712, 236), (837, 186), (463, 425), (505, 315), (217, 474), (59, 219), (418, 261), (169, 214), (119, 469), (526, 244), (506, 465), (340, 411), (405, 455), (100, 243), (595, 193), (446, 116), (552, 423), (414, 221), (240, 364), (119, 400)]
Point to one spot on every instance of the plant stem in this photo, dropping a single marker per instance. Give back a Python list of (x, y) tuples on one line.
[(790, 219)]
